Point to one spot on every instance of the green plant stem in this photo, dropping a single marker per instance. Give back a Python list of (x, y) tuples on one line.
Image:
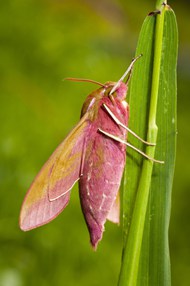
[(156, 71), (134, 241), (159, 3)]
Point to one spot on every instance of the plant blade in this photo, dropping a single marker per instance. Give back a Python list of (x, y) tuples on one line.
[(161, 185), (147, 214)]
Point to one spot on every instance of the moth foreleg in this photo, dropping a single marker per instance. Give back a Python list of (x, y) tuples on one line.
[(125, 127), (128, 144)]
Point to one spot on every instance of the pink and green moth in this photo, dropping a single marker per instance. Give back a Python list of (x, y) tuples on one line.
[(93, 154)]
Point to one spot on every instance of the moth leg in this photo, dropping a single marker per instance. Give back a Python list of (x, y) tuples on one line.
[(129, 76), (128, 144), (125, 127)]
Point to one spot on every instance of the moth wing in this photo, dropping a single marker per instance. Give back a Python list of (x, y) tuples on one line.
[(114, 214), (64, 165), (67, 166)]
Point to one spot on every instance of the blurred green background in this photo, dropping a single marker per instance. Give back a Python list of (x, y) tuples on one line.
[(42, 42)]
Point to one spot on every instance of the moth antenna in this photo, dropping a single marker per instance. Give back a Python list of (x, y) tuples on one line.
[(125, 74), (85, 80)]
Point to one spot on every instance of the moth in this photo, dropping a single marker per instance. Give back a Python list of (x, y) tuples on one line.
[(93, 154)]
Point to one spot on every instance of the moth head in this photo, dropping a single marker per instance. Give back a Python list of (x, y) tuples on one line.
[(116, 90)]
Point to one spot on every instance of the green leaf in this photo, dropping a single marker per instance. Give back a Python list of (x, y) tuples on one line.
[(147, 186)]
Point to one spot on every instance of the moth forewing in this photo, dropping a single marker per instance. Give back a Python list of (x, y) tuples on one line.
[(50, 191)]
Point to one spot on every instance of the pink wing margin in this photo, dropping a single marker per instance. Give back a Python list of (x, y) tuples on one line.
[(49, 194)]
